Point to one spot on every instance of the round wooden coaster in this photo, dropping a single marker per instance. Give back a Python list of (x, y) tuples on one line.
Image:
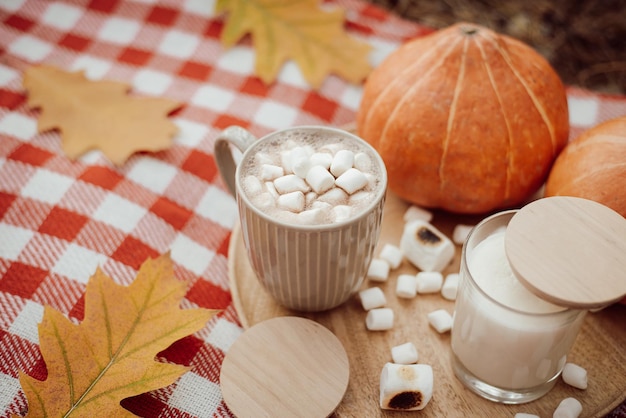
[(285, 367), (569, 251)]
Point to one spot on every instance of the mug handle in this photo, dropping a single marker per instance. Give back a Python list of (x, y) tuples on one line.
[(241, 139)]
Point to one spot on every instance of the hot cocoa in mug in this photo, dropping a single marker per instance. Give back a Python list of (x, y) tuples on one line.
[(310, 202)]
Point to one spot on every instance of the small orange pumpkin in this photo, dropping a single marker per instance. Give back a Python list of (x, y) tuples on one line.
[(465, 119), (593, 166)]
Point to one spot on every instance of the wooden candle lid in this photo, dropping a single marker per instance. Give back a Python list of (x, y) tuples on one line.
[(285, 367), (569, 251)]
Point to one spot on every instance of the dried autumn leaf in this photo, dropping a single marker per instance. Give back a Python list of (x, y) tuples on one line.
[(110, 355), (300, 30), (98, 114)]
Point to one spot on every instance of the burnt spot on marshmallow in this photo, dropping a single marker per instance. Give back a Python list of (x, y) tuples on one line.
[(427, 236), (406, 400)]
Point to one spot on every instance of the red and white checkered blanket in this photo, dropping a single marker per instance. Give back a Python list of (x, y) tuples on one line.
[(59, 219)]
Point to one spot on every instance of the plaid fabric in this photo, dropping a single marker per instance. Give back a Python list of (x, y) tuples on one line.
[(59, 219)]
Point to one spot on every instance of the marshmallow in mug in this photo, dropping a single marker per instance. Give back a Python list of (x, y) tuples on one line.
[(295, 179)]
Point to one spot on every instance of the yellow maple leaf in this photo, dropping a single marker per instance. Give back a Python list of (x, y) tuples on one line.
[(110, 355), (98, 114), (296, 29)]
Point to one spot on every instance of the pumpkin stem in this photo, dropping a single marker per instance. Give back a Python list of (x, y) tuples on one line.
[(469, 30)]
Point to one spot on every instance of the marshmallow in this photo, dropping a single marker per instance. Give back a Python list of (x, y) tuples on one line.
[(285, 161), (318, 204), (322, 159), (440, 320), (378, 270), (362, 161), (371, 180), (404, 353), (406, 387), (352, 180), (310, 198), (460, 233), (333, 148), (342, 161), (271, 189), (406, 286), (293, 201), (361, 196), (290, 183), (310, 217), (261, 158), (301, 166), (574, 375), (379, 319), (341, 212), (264, 200), (252, 185), (450, 286), (429, 281), (415, 213), (372, 298), (568, 408), (334, 196), (392, 255), (319, 179), (425, 246), (297, 154), (524, 415), (271, 172)]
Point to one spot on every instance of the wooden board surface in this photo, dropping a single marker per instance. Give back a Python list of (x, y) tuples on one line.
[(599, 346)]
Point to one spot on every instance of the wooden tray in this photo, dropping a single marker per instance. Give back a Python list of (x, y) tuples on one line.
[(599, 346)]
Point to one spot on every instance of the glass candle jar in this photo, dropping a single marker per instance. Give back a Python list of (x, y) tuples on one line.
[(508, 345)]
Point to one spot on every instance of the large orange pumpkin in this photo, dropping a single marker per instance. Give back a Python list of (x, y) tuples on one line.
[(593, 166), (465, 119)]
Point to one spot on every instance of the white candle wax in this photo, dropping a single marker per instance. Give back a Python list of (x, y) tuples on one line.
[(492, 272)]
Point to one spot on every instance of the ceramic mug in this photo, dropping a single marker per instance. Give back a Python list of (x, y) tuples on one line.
[(304, 265)]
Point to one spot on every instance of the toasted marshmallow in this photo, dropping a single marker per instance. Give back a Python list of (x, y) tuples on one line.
[(406, 387), (425, 246)]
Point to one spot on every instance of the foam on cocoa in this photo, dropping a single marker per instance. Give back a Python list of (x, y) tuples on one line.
[(328, 206)]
